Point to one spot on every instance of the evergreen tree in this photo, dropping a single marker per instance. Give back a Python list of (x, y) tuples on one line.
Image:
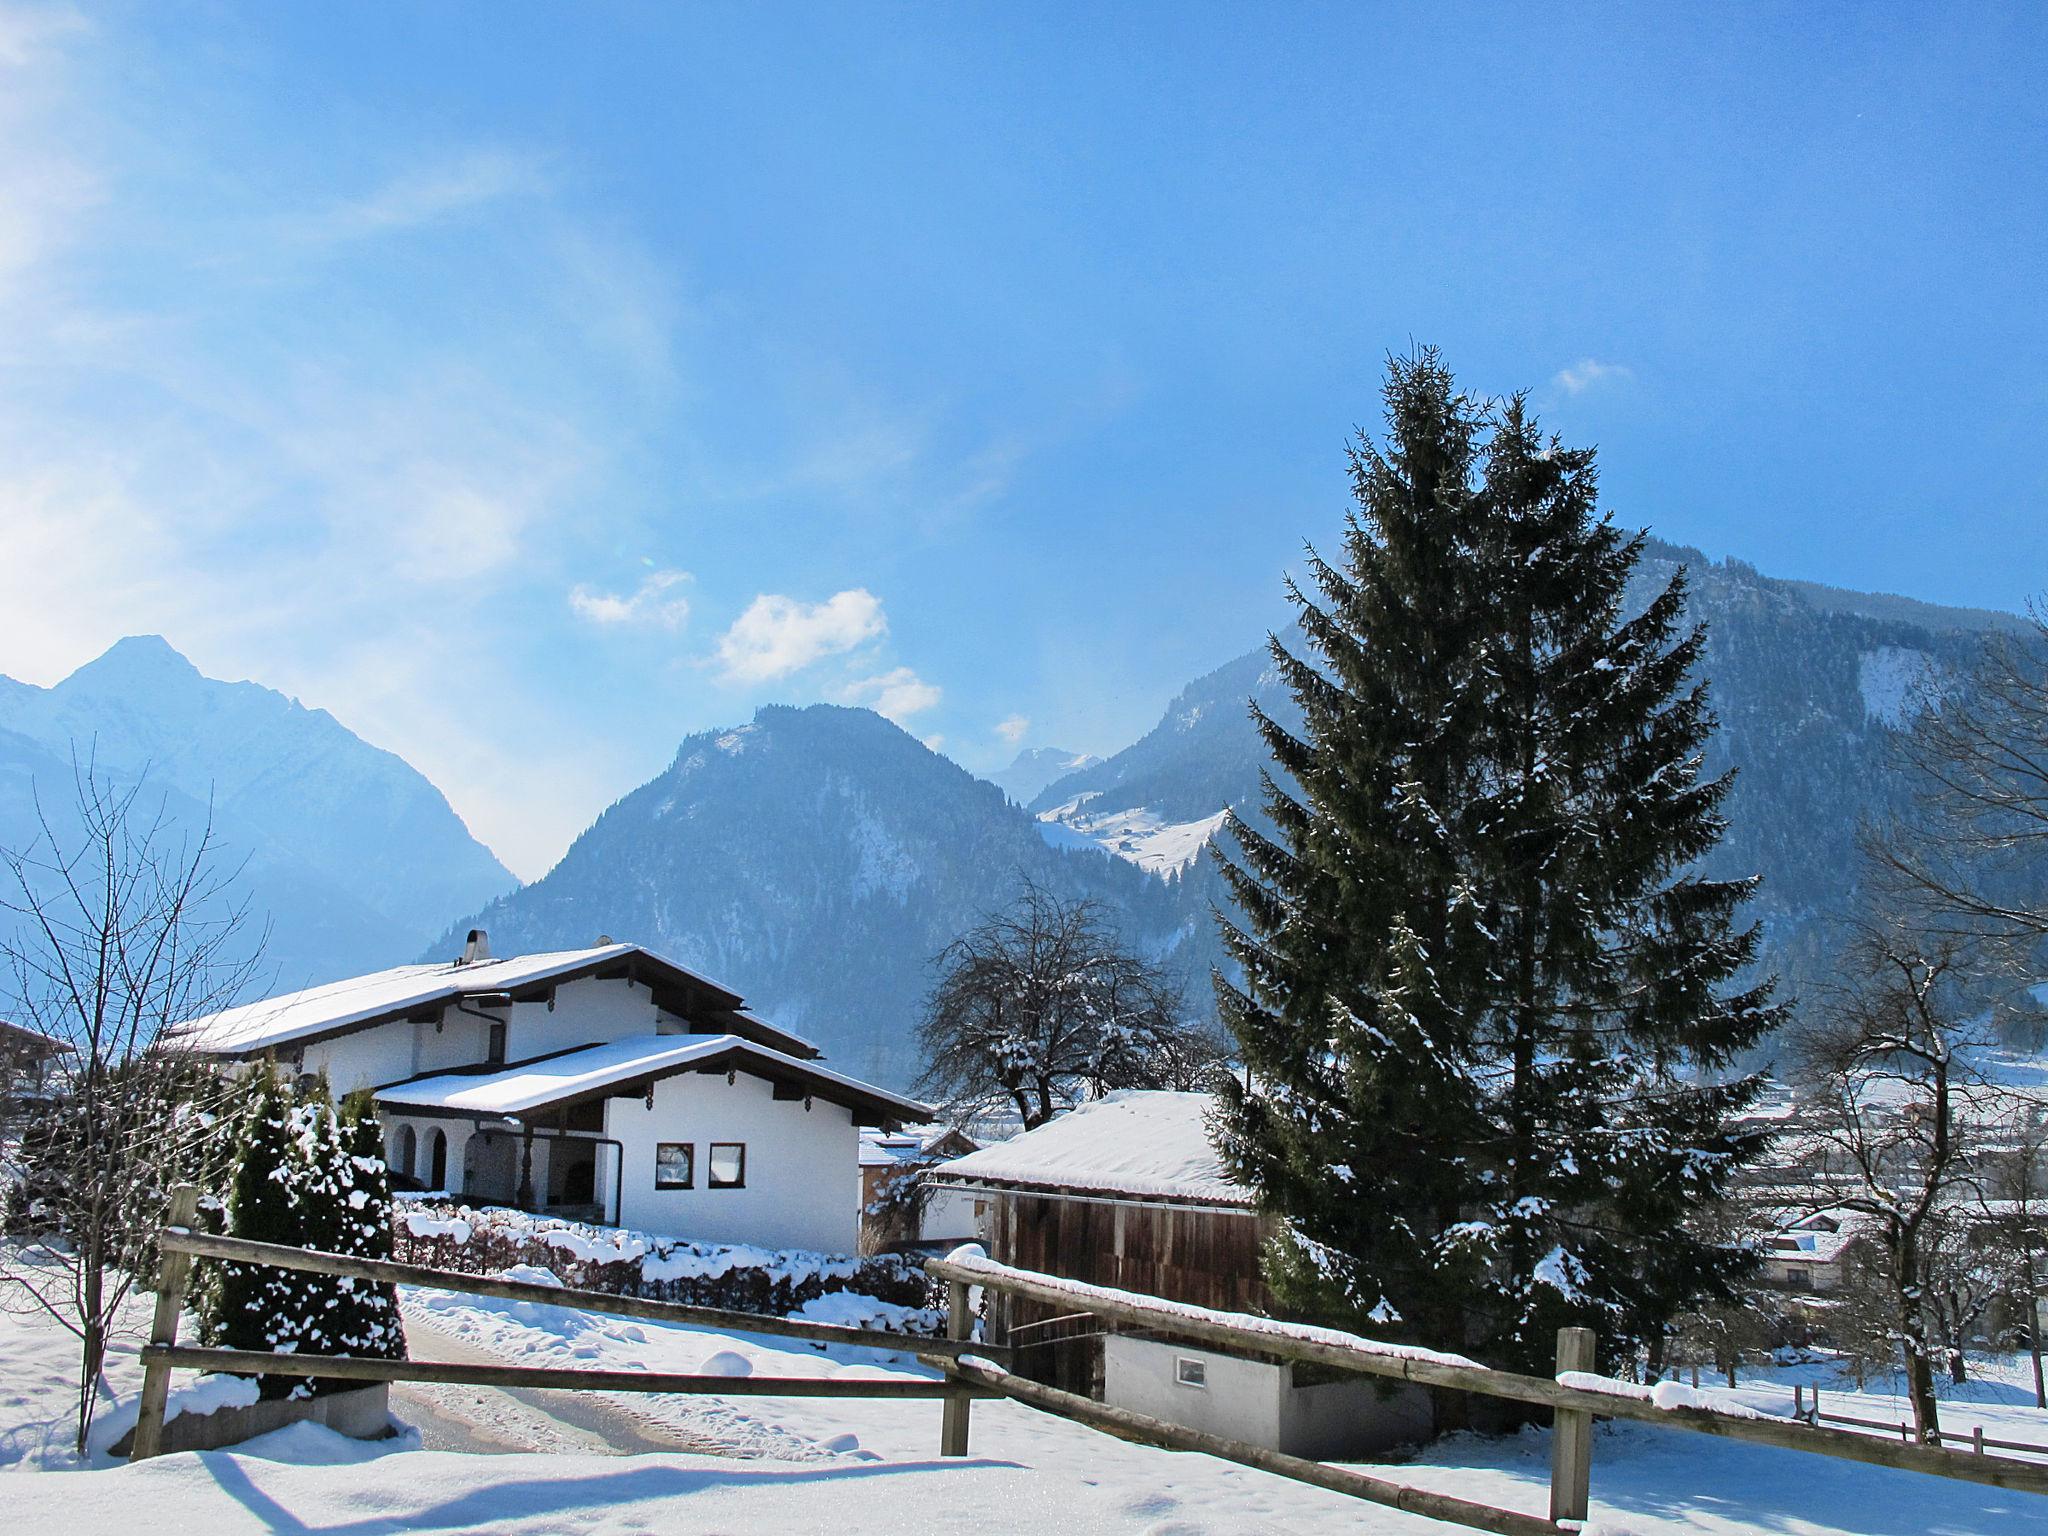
[(371, 1325), (1484, 1002), (253, 1306), (305, 1179)]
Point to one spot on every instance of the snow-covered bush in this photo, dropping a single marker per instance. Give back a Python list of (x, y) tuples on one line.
[(305, 1178), (890, 1288)]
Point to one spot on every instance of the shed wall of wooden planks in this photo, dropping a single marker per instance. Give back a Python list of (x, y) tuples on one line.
[(1208, 1257)]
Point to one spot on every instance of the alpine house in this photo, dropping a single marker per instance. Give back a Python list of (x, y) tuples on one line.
[(605, 1084)]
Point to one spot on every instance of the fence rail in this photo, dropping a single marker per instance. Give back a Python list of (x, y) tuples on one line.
[(181, 1240), (180, 1244), (1574, 1406)]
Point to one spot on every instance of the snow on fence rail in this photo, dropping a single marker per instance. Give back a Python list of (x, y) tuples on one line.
[(1575, 1396), (180, 1245)]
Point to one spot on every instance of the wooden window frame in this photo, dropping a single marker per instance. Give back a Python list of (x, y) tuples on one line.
[(689, 1179), (711, 1179)]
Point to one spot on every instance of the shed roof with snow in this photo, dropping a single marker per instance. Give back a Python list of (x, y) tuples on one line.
[(363, 1002), (1137, 1144)]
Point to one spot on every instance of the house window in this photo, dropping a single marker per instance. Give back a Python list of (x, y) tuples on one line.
[(728, 1165), (1190, 1373), (674, 1165), (494, 1047)]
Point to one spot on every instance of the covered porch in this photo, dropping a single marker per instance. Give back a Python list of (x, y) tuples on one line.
[(542, 1164)]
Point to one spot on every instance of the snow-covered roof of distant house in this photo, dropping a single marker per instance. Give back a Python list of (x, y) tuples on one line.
[(1139, 1144), (1816, 1238), (20, 1040), (881, 1149), (339, 1007), (596, 1071)]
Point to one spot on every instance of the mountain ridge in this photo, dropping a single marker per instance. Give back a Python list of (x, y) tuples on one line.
[(352, 854)]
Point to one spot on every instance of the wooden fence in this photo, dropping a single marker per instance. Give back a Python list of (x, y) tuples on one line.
[(1573, 1404), (971, 1368), (180, 1244)]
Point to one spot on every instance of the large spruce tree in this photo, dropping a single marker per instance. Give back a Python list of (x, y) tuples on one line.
[(1487, 1011)]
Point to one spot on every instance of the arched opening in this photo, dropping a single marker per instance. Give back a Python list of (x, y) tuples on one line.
[(437, 1157), (490, 1167), (406, 1160)]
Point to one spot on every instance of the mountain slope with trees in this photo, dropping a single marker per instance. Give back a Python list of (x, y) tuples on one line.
[(1811, 686), (818, 859)]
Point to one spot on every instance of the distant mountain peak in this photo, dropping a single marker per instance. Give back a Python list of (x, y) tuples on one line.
[(137, 658), (1036, 767)]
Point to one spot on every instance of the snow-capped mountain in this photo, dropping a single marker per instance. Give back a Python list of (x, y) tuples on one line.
[(817, 860), (1809, 682), (1037, 767), (352, 857)]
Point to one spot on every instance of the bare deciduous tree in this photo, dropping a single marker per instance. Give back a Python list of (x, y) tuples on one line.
[(1886, 1069), (122, 931), (1041, 1005), (2015, 1210)]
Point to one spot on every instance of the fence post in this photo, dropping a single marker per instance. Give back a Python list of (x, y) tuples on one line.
[(953, 1422), (172, 1270), (1571, 1434)]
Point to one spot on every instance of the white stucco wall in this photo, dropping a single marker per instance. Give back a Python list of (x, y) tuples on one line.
[(949, 1217), (364, 1059), (801, 1190), (586, 1012)]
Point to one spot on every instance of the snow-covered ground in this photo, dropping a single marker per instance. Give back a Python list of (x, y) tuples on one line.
[(1139, 835), (853, 1466)]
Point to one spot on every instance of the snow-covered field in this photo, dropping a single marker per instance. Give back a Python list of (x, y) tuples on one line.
[(1139, 835), (852, 1466)]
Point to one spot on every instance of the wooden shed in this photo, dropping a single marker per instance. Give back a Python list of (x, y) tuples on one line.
[(1125, 1191)]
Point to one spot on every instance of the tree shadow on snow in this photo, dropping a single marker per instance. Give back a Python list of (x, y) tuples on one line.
[(492, 1507)]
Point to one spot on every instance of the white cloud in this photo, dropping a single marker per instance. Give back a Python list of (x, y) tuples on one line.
[(779, 635), (1012, 730), (654, 604), (1587, 372), (936, 741), (427, 194), (898, 694)]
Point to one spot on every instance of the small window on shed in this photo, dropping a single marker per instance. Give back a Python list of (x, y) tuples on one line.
[(728, 1165), (1190, 1372), (674, 1165), (494, 1046)]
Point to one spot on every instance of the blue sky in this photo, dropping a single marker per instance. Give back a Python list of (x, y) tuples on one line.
[(532, 386)]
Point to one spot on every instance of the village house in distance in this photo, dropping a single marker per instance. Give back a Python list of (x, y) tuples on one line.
[(603, 1084)]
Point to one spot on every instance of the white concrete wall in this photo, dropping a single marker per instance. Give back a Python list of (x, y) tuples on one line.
[(801, 1165), (1258, 1403), (1241, 1399)]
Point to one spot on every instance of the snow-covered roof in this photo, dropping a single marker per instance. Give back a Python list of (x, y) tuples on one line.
[(1138, 1143), (524, 1087), (337, 1006), (20, 1040), (882, 1149)]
